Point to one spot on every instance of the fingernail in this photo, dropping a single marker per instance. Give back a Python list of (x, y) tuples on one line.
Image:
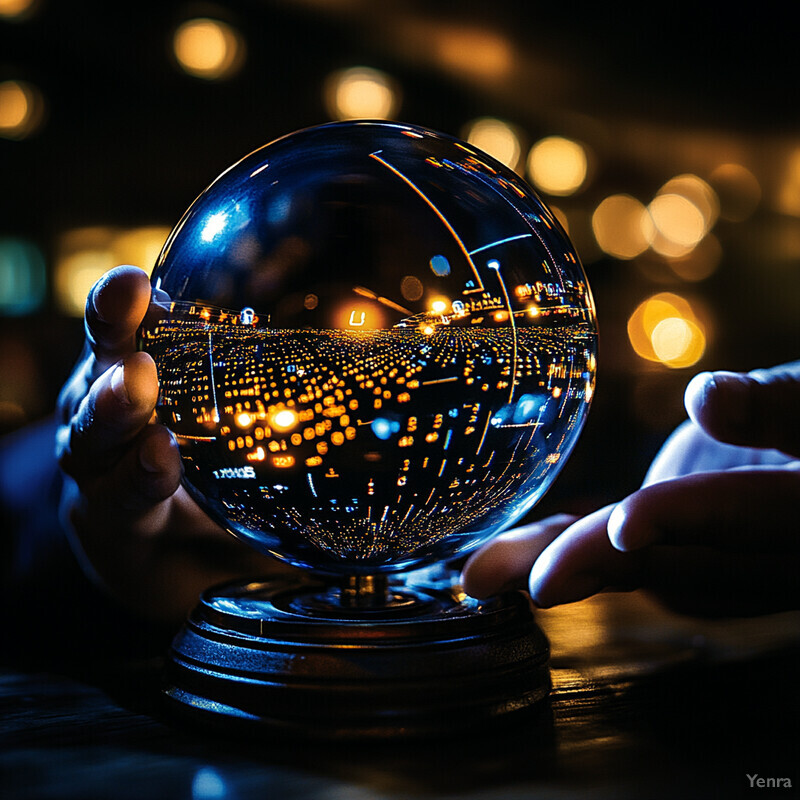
[(615, 524), (118, 384), (576, 587), (93, 298), (697, 390), (625, 537)]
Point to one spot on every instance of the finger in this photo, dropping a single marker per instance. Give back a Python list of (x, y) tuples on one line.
[(114, 310), (691, 580), (504, 563), (581, 562), (750, 509), (119, 404), (147, 473), (758, 409), (690, 450)]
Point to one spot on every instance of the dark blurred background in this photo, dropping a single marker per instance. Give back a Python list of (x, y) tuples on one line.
[(666, 139)]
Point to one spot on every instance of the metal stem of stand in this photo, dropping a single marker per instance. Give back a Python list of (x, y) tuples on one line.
[(364, 591)]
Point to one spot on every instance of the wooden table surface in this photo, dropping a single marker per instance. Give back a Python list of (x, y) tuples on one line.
[(644, 705)]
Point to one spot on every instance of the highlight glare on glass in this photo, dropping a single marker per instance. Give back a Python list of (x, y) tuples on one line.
[(208, 48), (557, 166)]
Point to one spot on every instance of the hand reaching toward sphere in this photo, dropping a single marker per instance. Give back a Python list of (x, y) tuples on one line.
[(712, 532), (134, 526)]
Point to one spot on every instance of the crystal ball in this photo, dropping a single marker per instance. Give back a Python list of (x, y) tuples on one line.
[(376, 347)]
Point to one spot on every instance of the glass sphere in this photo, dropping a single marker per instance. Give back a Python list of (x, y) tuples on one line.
[(376, 347)]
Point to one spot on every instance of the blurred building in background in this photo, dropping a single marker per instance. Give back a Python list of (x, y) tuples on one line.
[(666, 140)]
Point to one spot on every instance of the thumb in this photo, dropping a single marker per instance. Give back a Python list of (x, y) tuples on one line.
[(755, 409)]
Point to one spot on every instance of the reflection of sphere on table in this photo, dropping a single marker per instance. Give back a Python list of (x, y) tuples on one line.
[(377, 347)]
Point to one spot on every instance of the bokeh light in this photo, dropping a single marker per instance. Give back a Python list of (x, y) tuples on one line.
[(496, 137), (665, 329), (208, 48), (23, 279), (85, 254), (17, 9), (700, 262), (557, 166), (738, 190), (622, 226), (698, 192), (788, 200), (361, 93), (678, 222), (479, 54), (21, 109)]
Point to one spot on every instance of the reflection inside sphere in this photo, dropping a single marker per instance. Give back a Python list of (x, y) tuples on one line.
[(376, 347)]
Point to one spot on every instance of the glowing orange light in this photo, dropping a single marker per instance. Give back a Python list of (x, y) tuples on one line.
[(283, 461), (208, 48), (21, 109), (259, 454), (358, 316), (284, 419), (16, 8), (665, 328), (478, 53), (497, 138), (244, 420), (622, 226), (679, 223), (738, 190), (361, 93), (557, 165)]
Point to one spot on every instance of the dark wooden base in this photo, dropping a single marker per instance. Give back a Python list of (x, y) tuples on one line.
[(287, 658)]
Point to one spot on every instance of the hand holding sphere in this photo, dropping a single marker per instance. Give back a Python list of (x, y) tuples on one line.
[(375, 348)]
